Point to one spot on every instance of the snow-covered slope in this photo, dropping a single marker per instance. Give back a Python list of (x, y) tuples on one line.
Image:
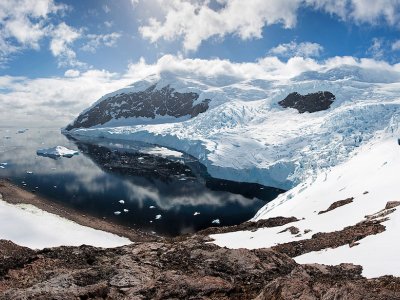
[(371, 178), (245, 135), (29, 226)]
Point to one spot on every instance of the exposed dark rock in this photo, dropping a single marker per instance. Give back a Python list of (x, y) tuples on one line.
[(330, 282), (324, 240), (392, 204), (308, 103), (148, 103), (13, 256), (337, 204), (347, 236), (188, 269), (271, 222), (292, 229)]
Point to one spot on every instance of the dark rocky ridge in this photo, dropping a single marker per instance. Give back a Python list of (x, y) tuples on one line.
[(188, 267), (312, 102), (185, 269), (148, 103)]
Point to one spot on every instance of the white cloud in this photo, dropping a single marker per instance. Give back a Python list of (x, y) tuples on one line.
[(134, 2), (63, 37), (97, 40), (24, 23), (108, 24), (56, 101), (106, 8), (305, 49), (396, 45), (72, 73), (52, 101), (195, 21), (376, 48)]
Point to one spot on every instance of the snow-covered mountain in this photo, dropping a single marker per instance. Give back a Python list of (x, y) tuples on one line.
[(331, 138), (238, 129), (359, 197)]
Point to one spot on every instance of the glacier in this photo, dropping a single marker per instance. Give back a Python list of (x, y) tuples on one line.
[(246, 136)]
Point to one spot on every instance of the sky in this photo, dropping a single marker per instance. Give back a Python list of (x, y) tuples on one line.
[(59, 56)]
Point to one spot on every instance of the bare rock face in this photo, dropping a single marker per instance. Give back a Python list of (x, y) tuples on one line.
[(308, 103), (186, 269), (149, 103)]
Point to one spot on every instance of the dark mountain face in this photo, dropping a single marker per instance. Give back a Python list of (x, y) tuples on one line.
[(308, 103), (148, 104)]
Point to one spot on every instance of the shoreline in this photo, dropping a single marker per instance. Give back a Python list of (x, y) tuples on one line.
[(13, 194)]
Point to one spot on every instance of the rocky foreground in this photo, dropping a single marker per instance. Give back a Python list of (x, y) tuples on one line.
[(182, 268)]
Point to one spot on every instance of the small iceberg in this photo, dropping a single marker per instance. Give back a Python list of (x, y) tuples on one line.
[(152, 207), (117, 213), (126, 210), (158, 217), (196, 213), (55, 152), (121, 201), (216, 221)]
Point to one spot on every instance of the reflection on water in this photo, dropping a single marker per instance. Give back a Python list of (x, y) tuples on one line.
[(150, 180)]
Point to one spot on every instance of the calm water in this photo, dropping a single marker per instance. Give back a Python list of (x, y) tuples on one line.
[(108, 171)]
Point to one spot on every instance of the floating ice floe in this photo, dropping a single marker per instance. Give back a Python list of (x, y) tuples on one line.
[(216, 221), (117, 212), (158, 217), (152, 207), (58, 151), (196, 213), (121, 201), (29, 172), (126, 210)]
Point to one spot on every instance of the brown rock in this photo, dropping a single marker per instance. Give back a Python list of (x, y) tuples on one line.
[(337, 204)]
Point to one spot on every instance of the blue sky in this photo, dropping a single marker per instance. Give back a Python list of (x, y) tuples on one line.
[(336, 36), (58, 56)]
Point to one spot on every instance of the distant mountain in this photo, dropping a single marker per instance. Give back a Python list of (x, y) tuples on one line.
[(272, 132), (164, 104)]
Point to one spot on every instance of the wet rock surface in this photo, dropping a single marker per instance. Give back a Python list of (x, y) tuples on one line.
[(312, 102), (149, 103), (185, 269)]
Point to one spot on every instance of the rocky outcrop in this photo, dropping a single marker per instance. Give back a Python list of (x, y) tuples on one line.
[(187, 269), (312, 102), (250, 225), (323, 240), (149, 103), (337, 204), (349, 235)]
